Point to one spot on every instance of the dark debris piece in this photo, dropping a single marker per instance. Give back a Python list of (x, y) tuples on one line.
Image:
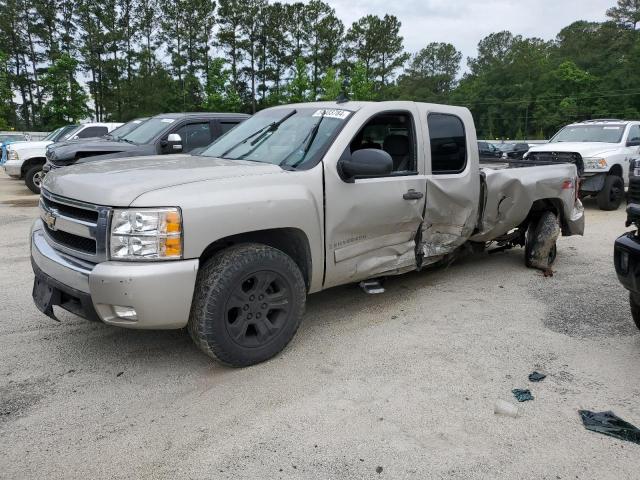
[(536, 377), (522, 395), (610, 424)]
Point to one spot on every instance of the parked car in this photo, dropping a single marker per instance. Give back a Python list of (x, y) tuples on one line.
[(295, 200), (605, 147), (159, 135), (25, 160), (488, 151), (116, 135), (8, 138), (627, 260), (514, 151)]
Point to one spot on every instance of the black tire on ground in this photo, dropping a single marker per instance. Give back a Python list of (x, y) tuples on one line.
[(612, 193), (33, 178), (248, 304), (540, 249), (634, 301)]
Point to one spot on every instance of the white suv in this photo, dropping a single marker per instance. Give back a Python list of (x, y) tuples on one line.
[(26, 159), (606, 147)]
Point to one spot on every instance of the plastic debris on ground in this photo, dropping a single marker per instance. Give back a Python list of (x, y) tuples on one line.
[(536, 377), (610, 424), (507, 409), (522, 395)]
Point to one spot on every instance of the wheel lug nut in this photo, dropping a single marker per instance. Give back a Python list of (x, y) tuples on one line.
[(261, 297), (258, 315), (245, 308), (252, 298), (249, 316), (264, 306)]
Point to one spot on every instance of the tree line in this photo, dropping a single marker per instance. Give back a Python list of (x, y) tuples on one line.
[(63, 61)]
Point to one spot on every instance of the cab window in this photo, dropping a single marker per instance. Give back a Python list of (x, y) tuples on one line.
[(394, 133), (195, 135), (448, 143), (90, 132)]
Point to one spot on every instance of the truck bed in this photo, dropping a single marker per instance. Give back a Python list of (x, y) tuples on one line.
[(509, 190)]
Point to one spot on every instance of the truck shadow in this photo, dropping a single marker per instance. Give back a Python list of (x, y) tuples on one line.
[(112, 350)]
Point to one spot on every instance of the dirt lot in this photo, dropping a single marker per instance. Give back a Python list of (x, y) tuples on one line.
[(400, 385)]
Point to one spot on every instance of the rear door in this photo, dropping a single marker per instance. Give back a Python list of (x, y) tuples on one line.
[(453, 179), (372, 223)]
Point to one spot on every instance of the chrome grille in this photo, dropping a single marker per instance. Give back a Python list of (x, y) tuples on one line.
[(76, 228)]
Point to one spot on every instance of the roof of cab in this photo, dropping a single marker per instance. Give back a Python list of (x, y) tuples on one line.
[(202, 115)]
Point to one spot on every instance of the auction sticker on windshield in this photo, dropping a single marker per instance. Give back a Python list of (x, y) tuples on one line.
[(333, 113)]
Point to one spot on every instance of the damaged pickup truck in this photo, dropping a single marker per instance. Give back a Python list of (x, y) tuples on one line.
[(295, 200)]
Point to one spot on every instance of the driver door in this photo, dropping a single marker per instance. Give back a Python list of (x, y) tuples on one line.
[(372, 223)]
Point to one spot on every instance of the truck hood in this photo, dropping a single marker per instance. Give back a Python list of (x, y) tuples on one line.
[(586, 149), (65, 153), (119, 182), (42, 144)]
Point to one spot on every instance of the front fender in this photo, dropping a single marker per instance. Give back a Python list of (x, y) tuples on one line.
[(216, 209)]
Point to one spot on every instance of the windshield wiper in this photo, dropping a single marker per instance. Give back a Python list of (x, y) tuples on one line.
[(272, 127), (122, 139), (307, 142)]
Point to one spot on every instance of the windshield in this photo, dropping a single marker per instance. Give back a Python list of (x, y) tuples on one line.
[(62, 133), (149, 130), (128, 127), (280, 136), (611, 133)]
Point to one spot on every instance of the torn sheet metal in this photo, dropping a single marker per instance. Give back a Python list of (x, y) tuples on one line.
[(512, 191)]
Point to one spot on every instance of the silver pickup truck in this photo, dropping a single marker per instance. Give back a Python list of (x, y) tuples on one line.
[(295, 200)]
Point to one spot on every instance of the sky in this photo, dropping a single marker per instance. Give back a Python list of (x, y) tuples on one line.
[(464, 23)]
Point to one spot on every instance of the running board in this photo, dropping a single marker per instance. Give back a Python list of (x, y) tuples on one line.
[(372, 287)]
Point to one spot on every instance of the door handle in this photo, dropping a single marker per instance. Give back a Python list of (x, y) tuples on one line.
[(413, 195)]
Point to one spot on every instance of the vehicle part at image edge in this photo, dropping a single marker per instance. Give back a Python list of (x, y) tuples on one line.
[(248, 304), (33, 178), (610, 424), (540, 247), (634, 302), (612, 193)]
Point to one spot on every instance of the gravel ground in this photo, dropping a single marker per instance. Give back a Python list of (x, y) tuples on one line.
[(400, 385)]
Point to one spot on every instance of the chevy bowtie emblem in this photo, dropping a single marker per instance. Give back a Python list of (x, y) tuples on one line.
[(50, 220)]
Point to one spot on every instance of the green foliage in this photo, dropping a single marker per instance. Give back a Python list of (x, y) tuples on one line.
[(68, 100), (299, 87), (142, 57), (6, 95)]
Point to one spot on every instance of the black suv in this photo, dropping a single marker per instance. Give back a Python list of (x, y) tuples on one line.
[(162, 134)]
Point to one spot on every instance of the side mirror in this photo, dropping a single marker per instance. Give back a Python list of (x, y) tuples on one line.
[(368, 162), (173, 143), (76, 137)]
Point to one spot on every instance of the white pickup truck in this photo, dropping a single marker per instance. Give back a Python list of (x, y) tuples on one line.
[(295, 200), (26, 159), (605, 147)]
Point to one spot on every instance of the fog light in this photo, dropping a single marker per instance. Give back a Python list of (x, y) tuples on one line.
[(126, 313)]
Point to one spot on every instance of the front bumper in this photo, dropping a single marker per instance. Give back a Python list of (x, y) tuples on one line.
[(13, 168), (160, 292), (626, 258)]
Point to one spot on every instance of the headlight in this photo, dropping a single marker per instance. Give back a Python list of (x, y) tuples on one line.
[(146, 234), (12, 155), (595, 163)]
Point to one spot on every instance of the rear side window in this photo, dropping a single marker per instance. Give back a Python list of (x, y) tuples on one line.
[(93, 132), (448, 143)]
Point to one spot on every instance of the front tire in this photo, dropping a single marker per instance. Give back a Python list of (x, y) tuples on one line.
[(634, 301), (248, 304), (540, 250), (612, 193), (33, 178)]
